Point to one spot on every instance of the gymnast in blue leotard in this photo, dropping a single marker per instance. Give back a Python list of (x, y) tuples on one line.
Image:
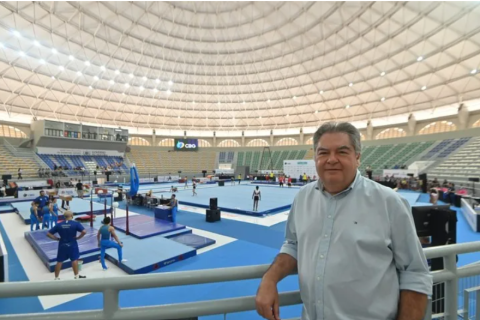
[(46, 216), (104, 233), (53, 212), (34, 219)]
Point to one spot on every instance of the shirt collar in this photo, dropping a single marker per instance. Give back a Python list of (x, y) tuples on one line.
[(350, 187)]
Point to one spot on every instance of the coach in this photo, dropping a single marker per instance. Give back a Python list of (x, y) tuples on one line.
[(352, 241)]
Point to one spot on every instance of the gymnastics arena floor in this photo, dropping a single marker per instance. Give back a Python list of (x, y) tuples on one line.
[(241, 241)]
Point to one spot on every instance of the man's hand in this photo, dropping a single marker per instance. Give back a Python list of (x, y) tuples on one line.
[(267, 302)]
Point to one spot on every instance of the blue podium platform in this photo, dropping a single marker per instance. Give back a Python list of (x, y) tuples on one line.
[(46, 248), (6, 208), (141, 226), (77, 206), (150, 254)]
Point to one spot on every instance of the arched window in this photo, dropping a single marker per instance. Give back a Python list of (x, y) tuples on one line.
[(439, 126), (362, 136), (137, 141), (257, 143), (476, 124), (391, 133), (204, 143), (287, 142), (166, 143), (309, 141), (11, 132), (229, 143)]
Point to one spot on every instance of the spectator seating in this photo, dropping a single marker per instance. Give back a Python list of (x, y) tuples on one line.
[(10, 164), (460, 166), (72, 162)]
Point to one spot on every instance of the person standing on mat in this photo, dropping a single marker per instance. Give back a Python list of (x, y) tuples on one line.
[(53, 212), (34, 218), (186, 182), (104, 234), (174, 205), (256, 197), (46, 216), (194, 186), (67, 246)]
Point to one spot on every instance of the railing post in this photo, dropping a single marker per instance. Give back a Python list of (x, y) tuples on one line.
[(110, 303), (451, 288)]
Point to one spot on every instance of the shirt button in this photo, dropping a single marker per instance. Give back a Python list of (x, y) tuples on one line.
[(326, 236), (318, 278), (329, 217), (321, 256)]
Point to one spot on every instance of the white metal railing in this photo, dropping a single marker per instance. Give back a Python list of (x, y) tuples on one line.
[(110, 287), (15, 151)]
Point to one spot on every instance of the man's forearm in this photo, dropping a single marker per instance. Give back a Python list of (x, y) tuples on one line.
[(283, 265), (412, 305)]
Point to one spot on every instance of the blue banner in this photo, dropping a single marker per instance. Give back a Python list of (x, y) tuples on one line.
[(134, 181)]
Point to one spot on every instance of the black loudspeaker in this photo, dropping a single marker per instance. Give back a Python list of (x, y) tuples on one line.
[(213, 204), (221, 183), (204, 173), (213, 215), (423, 177), (95, 182), (474, 179)]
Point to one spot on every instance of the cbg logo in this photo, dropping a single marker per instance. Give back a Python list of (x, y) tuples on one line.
[(181, 145)]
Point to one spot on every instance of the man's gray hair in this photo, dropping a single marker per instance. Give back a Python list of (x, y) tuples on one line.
[(344, 127)]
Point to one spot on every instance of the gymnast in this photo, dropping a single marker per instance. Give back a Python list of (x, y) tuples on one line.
[(46, 215), (104, 234), (34, 218)]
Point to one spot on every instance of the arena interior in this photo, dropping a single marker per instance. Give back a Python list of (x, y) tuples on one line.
[(207, 101)]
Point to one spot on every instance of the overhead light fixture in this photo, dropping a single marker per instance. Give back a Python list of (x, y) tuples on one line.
[(473, 71), (41, 61), (243, 102), (449, 123), (131, 75), (316, 111), (268, 100), (117, 71), (288, 115), (170, 82), (294, 97), (260, 117), (168, 91), (383, 99), (53, 77), (123, 93), (155, 90), (79, 73), (112, 82), (321, 91), (144, 78), (127, 85), (102, 68), (16, 34), (71, 58), (36, 43), (178, 117), (141, 88), (1, 45), (424, 88), (383, 73), (350, 84), (95, 78), (90, 87), (347, 106), (61, 68), (157, 81), (87, 63), (54, 51), (419, 58), (193, 102), (21, 54)]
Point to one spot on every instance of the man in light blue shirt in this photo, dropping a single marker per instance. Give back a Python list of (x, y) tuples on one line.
[(352, 241)]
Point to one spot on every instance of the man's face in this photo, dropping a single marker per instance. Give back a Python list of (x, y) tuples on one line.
[(336, 161), (42, 193)]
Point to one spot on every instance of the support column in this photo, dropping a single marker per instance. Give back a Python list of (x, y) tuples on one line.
[(243, 138), (214, 139), (154, 138), (412, 124), (463, 116), (369, 130), (271, 137), (301, 136)]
